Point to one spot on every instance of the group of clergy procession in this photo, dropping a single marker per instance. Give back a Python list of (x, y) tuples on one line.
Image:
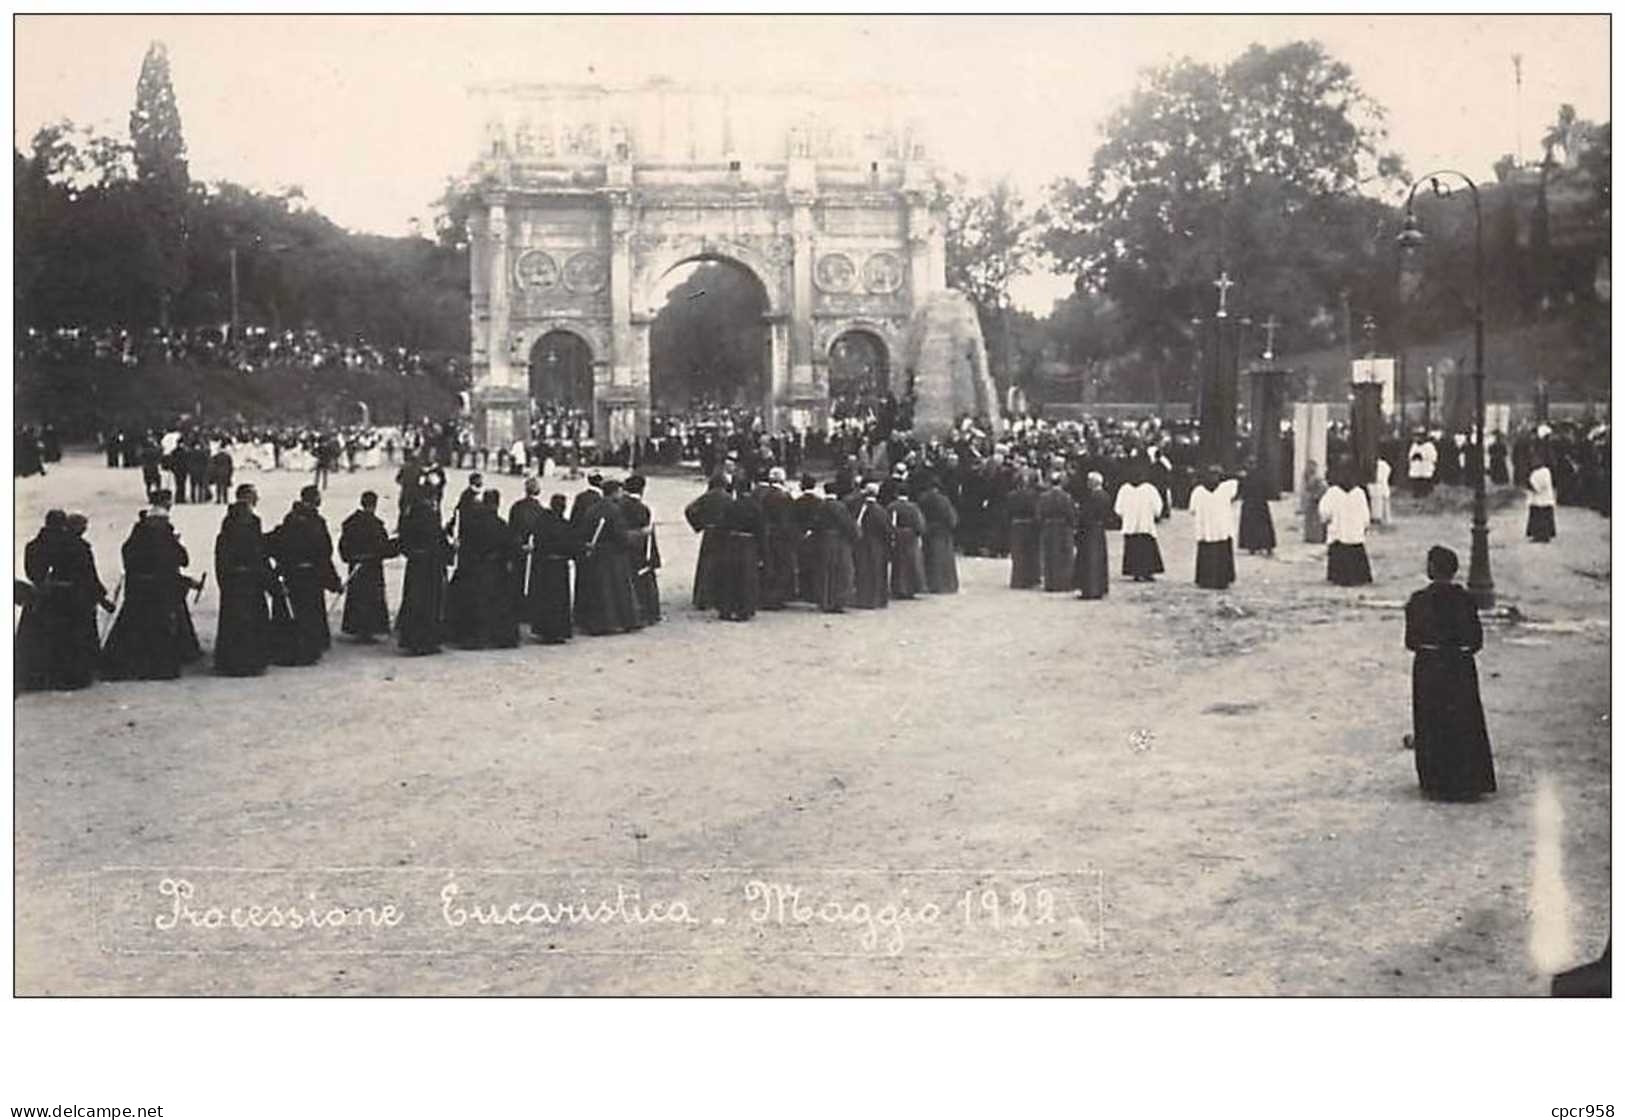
[(858, 541)]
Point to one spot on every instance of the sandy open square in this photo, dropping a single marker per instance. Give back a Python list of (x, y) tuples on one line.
[(1210, 786)]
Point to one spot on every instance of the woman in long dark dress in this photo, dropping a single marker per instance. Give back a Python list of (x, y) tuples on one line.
[(1452, 745), (1091, 566)]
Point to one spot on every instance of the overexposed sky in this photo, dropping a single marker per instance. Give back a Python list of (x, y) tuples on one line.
[(370, 113)]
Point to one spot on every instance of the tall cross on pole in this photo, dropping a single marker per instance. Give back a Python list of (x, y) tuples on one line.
[(1224, 284), (1270, 327)]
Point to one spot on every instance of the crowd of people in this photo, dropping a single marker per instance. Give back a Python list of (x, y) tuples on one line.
[(251, 349)]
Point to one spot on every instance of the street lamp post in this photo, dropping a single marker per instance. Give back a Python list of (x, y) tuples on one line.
[(1479, 582)]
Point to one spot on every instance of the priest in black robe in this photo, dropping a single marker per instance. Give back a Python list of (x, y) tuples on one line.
[(34, 645), (941, 568), (908, 547), (584, 521), (606, 555), (1021, 507), (364, 545), (781, 537), (738, 574), (808, 513), (487, 559), (554, 547), (871, 558), (645, 550), (1256, 531), (152, 638), (242, 572), (1451, 742), (1091, 570), (838, 537), (420, 624), (704, 515), (303, 550), (523, 517), (1057, 521)]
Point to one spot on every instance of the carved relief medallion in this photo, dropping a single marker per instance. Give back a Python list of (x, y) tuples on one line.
[(536, 271), (883, 272), (835, 272), (586, 272)]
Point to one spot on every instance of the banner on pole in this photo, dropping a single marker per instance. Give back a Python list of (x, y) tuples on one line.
[(1380, 370)]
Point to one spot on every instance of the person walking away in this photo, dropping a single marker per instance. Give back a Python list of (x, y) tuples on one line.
[(644, 550), (1442, 630), (423, 542), (1541, 525), (1058, 521), (941, 519), (1137, 506), (242, 572), (908, 551), (704, 515), (1215, 544), (364, 545), (303, 550), (1021, 506), (1347, 517), (1091, 566), (1256, 532)]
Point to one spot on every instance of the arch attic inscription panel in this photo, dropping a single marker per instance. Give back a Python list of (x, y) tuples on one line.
[(587, 197)]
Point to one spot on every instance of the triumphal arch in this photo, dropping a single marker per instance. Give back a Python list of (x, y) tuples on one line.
[(586, 198)]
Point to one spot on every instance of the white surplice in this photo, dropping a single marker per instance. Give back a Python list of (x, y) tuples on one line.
[(1215, 519), (1139, 505)]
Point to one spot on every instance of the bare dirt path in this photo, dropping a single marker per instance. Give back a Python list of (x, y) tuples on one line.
[(1214, 783)]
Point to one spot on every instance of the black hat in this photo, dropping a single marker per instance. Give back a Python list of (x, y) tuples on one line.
[(635, 484)]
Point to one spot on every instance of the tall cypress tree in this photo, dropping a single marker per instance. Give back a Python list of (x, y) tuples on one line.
[(161, 176)]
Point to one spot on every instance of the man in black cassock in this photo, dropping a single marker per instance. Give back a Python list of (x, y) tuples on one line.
[(781, 533), (738, 574), (152, 638), (34, 646), (704, 515), (610, 609), (941, 569), (243, 574), (523, 517), (808, 517), (555, 545), (487, 558), (838, 537), (584, 522), (645, 550), (303, 550), (422, 540), (1090, 572), (1057, 520), (1021, 507), (1442, 629), (871, 558), (364, 545), (908, 547)]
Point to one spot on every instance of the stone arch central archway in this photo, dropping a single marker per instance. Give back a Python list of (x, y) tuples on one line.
[(710, 339)]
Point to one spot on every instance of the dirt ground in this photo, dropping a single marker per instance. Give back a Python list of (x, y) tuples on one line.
[(1212, 784)]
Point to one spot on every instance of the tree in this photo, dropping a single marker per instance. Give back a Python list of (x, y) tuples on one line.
[(989, 242), (1260, 168), (160, 167)]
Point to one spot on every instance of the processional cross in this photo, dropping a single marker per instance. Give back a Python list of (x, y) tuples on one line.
[(1224, 284), (1270, 327)]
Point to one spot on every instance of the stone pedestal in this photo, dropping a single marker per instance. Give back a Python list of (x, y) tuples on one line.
[(1308, 436), (1268, 399), (948, 363)]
